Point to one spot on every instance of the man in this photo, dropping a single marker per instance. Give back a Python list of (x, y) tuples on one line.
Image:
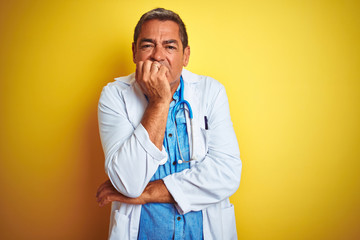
[(171, 153)]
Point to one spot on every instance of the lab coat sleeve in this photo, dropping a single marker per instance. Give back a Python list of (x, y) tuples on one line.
[(216, 177), (131, 158)]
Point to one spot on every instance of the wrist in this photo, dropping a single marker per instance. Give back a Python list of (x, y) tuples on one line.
[(160, 102), (146, 195), (156, 191), (159, 107)]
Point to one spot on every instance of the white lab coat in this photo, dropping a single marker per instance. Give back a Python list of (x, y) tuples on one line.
[(131, 158)]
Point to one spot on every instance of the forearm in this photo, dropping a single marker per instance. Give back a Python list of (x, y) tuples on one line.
[(152, 78), (154, 121), (155, 192)]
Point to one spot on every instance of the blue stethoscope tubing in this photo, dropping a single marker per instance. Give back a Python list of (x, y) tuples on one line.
[(175, 109)]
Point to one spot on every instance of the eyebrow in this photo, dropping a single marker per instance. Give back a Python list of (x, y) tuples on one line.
[(147, 40), (164, 42), (170, 41)]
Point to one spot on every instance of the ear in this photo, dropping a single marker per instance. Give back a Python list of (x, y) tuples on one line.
[(186, 56), (133, 51)]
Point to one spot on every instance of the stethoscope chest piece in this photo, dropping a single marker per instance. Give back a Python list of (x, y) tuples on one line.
[(181, 161)]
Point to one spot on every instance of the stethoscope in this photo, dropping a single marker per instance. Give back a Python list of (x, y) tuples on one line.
[(174, 111)]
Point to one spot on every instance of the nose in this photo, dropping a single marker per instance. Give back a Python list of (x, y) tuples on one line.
[(158, 54)]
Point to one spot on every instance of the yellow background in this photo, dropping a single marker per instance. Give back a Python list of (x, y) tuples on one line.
[(292, 74)]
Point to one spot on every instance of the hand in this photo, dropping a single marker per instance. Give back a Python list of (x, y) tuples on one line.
[(107, 193), (152, 77)]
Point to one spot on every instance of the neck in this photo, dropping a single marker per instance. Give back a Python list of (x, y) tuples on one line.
[(174, 86)]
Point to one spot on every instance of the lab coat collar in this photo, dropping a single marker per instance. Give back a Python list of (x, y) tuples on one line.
[(189, 76)]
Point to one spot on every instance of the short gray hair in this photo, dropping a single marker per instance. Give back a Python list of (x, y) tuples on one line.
[(162, 15)]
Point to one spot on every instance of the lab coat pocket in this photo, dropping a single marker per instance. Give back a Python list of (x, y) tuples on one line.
[(120, 228), (228, 223), (205, 135), (201, 144)]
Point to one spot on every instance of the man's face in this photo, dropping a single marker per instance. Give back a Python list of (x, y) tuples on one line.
[(160, 41)]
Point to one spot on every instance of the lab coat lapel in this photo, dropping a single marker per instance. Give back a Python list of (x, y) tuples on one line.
[(192, 94), (135, 103)]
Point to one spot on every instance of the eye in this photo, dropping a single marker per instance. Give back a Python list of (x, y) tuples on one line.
[(170, 47), (146, 46)]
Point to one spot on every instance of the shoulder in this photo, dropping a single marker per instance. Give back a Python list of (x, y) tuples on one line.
[(121, 83), (201, 82), (116, 88)]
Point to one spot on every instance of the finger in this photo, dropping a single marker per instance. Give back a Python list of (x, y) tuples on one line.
[(146, 70), (106, 191), (110, 195), (155, 66), (100, 189), (110, 198), (102, 186), (104, 201), (164, 74), (163, 70), (138, 73)]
